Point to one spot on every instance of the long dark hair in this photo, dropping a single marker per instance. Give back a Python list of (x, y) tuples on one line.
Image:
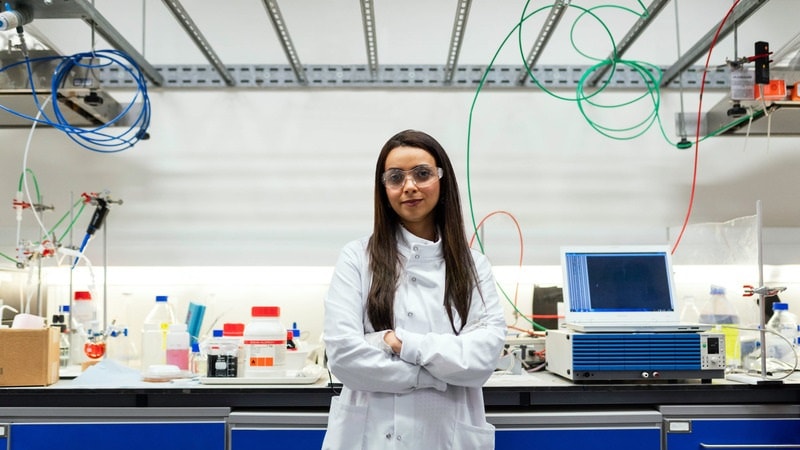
[(460, 274)]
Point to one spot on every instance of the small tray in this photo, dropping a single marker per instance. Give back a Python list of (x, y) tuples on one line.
[(309, 375)]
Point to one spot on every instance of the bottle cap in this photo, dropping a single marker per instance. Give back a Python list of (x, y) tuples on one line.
[(161, 298), (64, 309), (195, 347), (266, 311), (779, 306), (233, 329), (82, 295), (717, 290), (216, 333)]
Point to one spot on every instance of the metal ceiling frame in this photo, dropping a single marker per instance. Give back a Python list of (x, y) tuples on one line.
[(743, 11), (263, 76), (82, 9), (370, 35), (276, 18), (553, 18), (456, 38), (633, 34), (182, 16), (450, 74)]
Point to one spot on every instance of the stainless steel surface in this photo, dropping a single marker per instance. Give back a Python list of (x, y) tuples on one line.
[(16, 93), (578, 419), (265, 419), (121, 414)]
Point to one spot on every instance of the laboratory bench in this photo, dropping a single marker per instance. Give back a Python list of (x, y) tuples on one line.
[(539, 408)]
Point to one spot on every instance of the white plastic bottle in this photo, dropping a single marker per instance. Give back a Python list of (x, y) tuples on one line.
[(83, 310), (154, 333), (784, 323), (178, 347), (265, 343), (721, 313)]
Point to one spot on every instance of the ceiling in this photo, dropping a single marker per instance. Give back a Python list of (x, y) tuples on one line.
[(380, 43)]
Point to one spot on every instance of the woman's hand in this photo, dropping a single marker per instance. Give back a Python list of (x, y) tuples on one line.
[(391, 340)]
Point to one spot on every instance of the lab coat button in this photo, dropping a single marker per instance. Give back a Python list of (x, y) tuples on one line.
[(410, 314), (416, 249), (416, 256), (414, 279), (388, 435)]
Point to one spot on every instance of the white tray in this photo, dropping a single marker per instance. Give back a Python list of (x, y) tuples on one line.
[(308, 375)]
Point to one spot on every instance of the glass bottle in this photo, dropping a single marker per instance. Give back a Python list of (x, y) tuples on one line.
[(784, 323)]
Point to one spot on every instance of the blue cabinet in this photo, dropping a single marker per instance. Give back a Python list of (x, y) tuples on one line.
[(600, 430), (115, 428), (261, 439), (118, 436), (267, 430), (731, 427), (595, 439)]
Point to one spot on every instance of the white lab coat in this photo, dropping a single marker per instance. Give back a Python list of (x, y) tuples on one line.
[(430, 395)]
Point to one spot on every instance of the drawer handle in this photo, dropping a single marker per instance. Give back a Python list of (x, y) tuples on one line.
[(797, 446)]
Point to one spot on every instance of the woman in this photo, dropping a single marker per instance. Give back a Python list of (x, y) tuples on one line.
[(413, 324)]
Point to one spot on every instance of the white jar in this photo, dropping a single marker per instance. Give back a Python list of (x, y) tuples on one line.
[(265, 343), (83, 310)]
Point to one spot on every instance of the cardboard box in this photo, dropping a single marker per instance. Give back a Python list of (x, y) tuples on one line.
[(29, 357)]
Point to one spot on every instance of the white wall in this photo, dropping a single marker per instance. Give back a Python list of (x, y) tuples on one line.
[(284, 178)]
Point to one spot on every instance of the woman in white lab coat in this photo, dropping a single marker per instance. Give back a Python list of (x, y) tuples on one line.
[(413, 324)]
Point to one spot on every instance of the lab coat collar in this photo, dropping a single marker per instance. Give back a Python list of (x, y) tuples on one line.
[(409, 243)]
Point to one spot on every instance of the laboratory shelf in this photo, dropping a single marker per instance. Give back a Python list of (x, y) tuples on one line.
[(540, 390), (542, 408)]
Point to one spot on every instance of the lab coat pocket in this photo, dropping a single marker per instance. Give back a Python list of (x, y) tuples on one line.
[(472, 437), (346, 425)]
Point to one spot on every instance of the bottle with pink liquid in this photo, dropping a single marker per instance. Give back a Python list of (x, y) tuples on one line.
[(178, 347)]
